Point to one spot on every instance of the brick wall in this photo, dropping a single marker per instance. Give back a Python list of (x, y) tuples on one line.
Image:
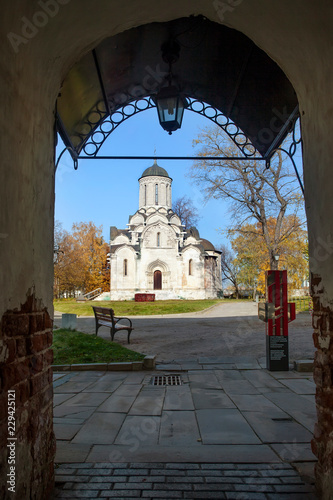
[(322, 443), (26, 337)]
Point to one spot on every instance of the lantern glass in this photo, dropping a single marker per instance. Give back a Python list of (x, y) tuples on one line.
[(170, 106)]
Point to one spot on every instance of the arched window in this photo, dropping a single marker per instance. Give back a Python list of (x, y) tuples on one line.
[(158, 240), (190, 267), (145, 194), (156, 194), (125, 267)]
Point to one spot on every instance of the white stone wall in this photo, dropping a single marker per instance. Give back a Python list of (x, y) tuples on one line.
[(147, 193)]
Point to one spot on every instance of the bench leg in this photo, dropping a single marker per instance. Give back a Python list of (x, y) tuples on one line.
[(112, 334), (128, 336)]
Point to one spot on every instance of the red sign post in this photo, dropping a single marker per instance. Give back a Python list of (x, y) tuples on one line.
[(277, 313)]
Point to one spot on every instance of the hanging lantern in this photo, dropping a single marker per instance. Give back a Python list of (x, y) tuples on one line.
[(170, 107)]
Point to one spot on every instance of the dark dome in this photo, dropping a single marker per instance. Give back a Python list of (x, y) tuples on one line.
[(155, 170), (207, 244)]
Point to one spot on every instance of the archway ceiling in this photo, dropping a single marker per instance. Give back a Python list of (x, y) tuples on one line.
[(217, 65)]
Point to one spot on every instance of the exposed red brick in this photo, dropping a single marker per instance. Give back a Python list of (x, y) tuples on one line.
[(11, 350), (48, 322), (38, 382), (15, 324), (38, 343), (21, 347)]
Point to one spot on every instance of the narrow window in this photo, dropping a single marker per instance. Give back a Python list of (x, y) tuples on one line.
[(145, 194), (125, 267), (158, 239), (156, 194), (190, 267), (166, 194)]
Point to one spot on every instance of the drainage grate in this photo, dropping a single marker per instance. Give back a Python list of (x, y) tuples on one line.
[(166, 380)]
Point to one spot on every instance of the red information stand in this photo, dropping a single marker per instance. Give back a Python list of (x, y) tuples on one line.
[(277, 313)]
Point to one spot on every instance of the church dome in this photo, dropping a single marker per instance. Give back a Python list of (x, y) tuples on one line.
[(155, 170), (207, 244)]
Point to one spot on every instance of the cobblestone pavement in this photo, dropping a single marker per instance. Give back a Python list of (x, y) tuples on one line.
[(186, 480)]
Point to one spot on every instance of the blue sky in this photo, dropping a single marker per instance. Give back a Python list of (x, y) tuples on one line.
[(107, 191)]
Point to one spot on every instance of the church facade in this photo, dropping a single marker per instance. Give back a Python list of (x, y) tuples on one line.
[(156, 254)]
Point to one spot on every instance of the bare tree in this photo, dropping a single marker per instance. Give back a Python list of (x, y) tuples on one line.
[(186, 211), (254, 192), (230, 270)]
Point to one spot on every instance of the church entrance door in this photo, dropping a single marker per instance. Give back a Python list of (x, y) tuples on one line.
[(157, 280)]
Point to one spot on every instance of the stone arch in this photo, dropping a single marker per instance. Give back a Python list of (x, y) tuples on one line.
[(163, 268), (44, 61)]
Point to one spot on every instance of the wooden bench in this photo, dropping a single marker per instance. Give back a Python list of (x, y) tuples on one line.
[(105, 317)]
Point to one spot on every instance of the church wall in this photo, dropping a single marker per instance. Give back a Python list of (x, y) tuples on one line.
[(123, 285), (164, 191)]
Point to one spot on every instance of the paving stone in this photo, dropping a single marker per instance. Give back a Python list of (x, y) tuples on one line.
[(117, 404), (220, 366), (61, 398), (120, 494), (130, 472), (204, 379), (211, 398), (208, 494), (137, 430), (183, 466), (79, 412), (183, 486), (128, 389), (179, 428), (260, 378), (300, 386), (253, 402), (69, 452), (225, 427), (271, 431), (72, 387), (162, 494), (134, 378), (246, 496), (65, 431), (134, 485), (291, 452), (107, 383), (148, 402), (101, 428), (87, 399), (239, 387), (155, 479), (184, 479), (178, 398)]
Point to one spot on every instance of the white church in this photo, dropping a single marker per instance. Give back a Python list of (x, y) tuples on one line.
[(156, 254)]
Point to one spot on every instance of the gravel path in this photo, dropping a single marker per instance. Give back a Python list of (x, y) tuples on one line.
[(227, 329)]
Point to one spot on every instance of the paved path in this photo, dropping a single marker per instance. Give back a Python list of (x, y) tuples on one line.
[(223, 433), (230, 328)]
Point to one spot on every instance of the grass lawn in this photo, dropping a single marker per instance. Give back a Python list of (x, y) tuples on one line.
[(72, 347), (131, 308)]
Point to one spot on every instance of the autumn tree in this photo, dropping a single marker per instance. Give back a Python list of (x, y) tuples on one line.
[(81, 261), (186, 211), (256, 194), (252, 258)]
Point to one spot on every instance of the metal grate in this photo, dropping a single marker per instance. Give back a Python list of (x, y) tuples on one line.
[(166, 380)]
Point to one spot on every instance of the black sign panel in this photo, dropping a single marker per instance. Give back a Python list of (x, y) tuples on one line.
[(277, 355)]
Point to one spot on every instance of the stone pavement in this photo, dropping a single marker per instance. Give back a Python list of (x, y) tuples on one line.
[(230, 430)]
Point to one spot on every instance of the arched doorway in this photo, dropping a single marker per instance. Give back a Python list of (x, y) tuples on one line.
[(158, 280), (51, 52)]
